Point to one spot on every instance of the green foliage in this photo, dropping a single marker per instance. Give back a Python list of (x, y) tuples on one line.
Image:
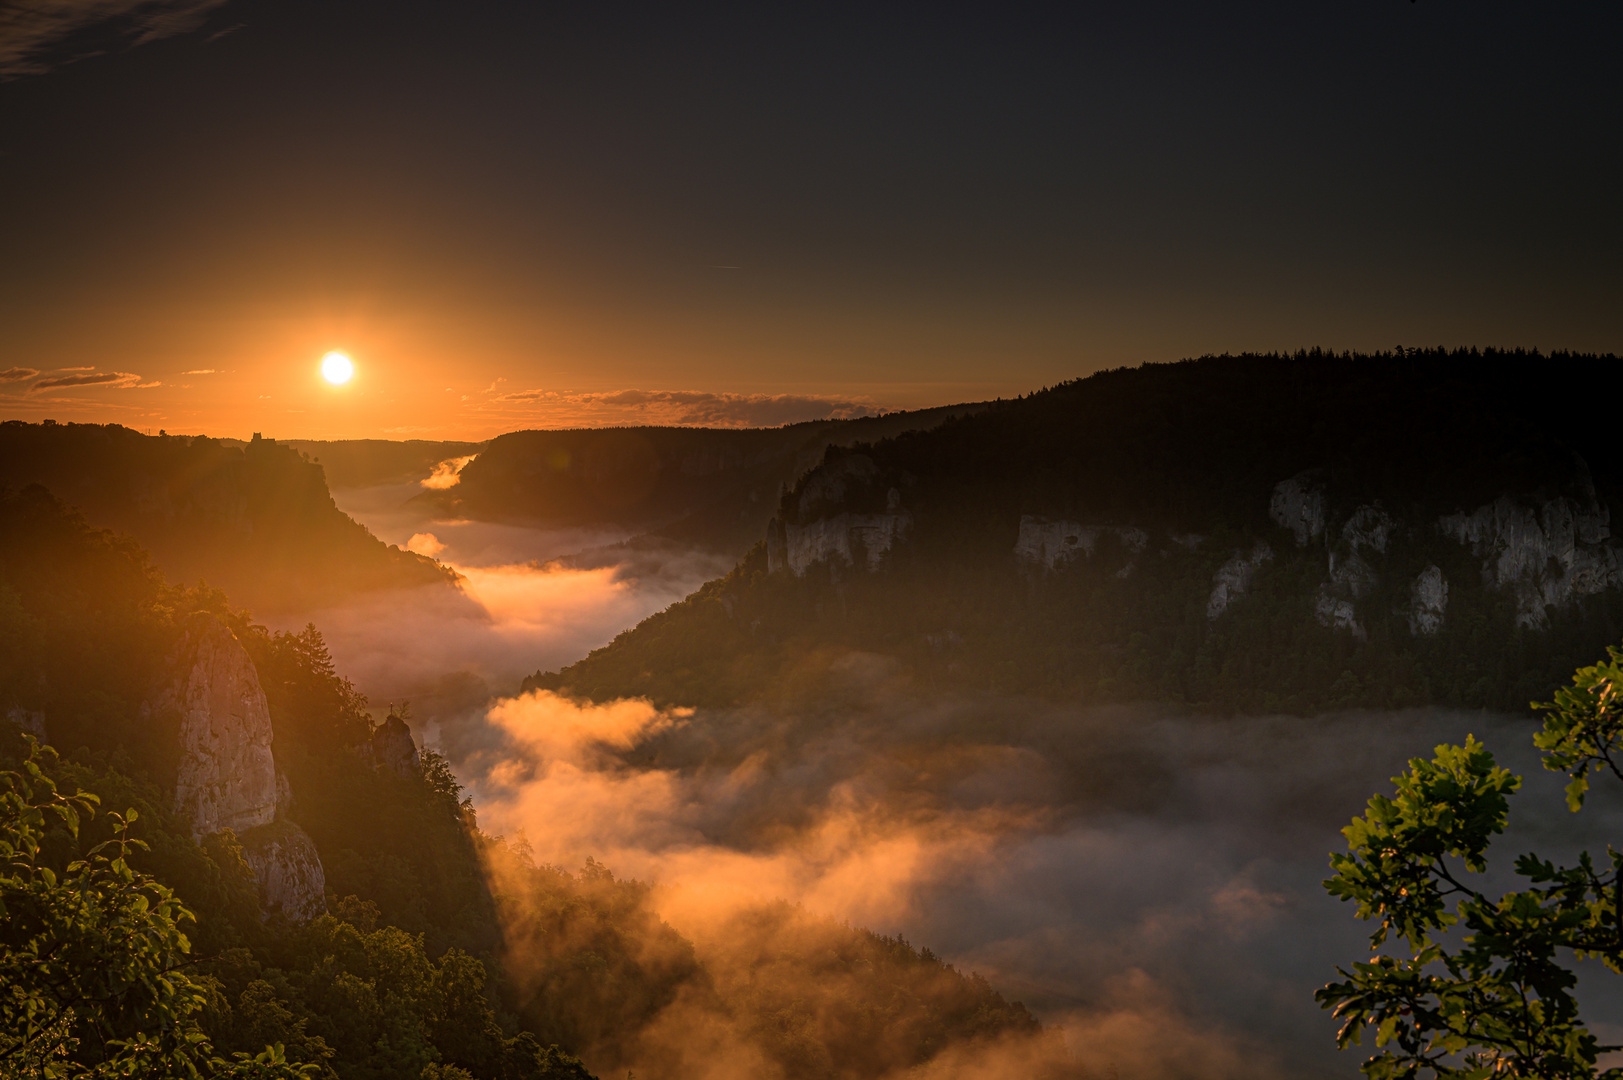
[(92, 953), (1582, 724), (95, 624), (1483, 989)]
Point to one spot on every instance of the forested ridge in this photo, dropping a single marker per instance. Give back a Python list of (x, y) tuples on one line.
[(711, 487), (255, 518), (421, 968), (1172, 467)]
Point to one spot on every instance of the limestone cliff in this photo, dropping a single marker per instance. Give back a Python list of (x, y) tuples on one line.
[(1298, 505), (287, 869), (226, 777), (859, 540), (1052, 544), (1363, 536), (1546, 553), (1428, 601), (1233, 578)]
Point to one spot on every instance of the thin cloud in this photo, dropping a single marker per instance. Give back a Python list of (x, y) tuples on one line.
[(31, 34), (199, 371), (17, 374), (685, 408), (98, 378)]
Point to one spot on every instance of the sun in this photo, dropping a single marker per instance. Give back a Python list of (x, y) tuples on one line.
[(336, 368)]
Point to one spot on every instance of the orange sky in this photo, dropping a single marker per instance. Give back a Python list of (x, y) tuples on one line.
[(471, 372), (555, 215)]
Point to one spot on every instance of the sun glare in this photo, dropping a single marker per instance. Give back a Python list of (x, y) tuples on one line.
[(336, 368)]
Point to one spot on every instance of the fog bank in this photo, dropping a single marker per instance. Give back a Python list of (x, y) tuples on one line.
[(530, 599), (1148, 881)]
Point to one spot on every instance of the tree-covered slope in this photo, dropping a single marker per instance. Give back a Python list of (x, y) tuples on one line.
[(709, 486), (447, 954), (1281, 532), (255, 519), (350, 463)]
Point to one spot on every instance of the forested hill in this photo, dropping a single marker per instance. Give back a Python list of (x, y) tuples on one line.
[(418, 968), (255, 519), (1280, 532), (352, 463), (709, 486)]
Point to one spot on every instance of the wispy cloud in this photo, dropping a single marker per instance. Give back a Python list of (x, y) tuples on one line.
[(32, 32), (682, 407), (121, 379), (199, 371), (17, 374)]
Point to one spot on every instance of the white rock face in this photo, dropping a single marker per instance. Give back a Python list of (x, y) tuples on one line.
[(227, 777), (1369, 527), (1233, 579), (840, 538), (1298, 505), (1546, 555), (1428, 600), (1336, 612), (1351, 575), (287, 869), (1052, 544)]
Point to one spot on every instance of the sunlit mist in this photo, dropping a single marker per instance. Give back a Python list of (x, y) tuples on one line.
[(337, 368)]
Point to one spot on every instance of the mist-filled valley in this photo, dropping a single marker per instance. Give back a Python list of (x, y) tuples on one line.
[(1002, 750), (785, 542)]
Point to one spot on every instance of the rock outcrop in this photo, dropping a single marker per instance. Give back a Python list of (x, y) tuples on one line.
[(1052, 544), (1428, 602), (1367, 532), (227, 776), (1546, 554), (1233, 579), (393, 749), (1298, 505), (849, 539), (287, 869)]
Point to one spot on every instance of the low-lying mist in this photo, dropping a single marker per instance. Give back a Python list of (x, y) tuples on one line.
[(1147, 882), (529, 599)]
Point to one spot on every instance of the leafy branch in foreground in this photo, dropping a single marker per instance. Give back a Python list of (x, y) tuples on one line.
[(91, 955), (1494, 999)]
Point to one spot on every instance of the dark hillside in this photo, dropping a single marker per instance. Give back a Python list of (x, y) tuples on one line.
[(364, 462), (708, 486), (1296, 532), (419, 968), (256, 520)]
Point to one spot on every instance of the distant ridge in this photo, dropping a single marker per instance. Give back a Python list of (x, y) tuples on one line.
[(255, 519), (1258, 532), (716, 487)]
